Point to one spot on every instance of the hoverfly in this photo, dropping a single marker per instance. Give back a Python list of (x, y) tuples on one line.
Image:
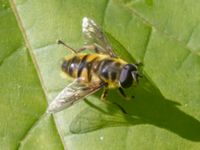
[(92, 72)]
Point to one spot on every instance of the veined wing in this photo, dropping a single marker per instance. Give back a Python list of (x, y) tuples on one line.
[(72, 94), (94, 35)]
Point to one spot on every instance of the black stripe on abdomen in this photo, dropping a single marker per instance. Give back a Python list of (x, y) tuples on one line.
[(103, 69), (74, 65), (87, 65), (65, 66), (71, 65), (89, 68), (82, 65)]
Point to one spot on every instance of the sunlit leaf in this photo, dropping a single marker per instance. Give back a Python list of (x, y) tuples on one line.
[(162, 35)]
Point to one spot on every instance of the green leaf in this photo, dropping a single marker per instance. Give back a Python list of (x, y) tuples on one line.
[(163, 35), (22, 100)]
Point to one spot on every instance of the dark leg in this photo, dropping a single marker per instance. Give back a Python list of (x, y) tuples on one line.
[(67, 46), (103, 97), (104, 94), (124, 95), (120, 107), (122, 92)]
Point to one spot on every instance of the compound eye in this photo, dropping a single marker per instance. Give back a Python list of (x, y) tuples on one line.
[(125, 79)]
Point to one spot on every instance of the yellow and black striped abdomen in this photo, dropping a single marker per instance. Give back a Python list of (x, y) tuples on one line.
[(94, 67), (80, 66)]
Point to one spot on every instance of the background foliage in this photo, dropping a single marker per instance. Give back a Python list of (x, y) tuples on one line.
[(164, 114)]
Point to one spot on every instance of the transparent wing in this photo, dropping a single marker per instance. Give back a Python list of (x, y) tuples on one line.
[(94, 36), (72, 94)]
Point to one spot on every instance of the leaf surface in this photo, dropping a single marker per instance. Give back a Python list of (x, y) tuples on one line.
[(163, 35)]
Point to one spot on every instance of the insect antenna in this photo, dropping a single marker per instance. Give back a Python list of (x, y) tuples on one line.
[(67, 46)]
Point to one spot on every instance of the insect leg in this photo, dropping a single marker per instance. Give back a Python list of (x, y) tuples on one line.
[(121, 108), (66, 46), (124, 95), (104, 94)]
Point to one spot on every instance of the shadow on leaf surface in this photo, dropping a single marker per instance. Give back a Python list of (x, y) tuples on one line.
[(148, 107)]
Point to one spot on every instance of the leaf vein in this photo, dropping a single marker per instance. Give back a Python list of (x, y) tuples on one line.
[(183, 60), (9, 55), (148, 39), (191, 33), (29, 130), (165, 33), (105, 11)]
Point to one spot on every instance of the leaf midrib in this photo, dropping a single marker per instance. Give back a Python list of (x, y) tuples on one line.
[(30, 50)]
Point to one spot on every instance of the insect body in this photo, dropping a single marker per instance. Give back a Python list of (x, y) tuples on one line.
[(91, 72), (97, 68)]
